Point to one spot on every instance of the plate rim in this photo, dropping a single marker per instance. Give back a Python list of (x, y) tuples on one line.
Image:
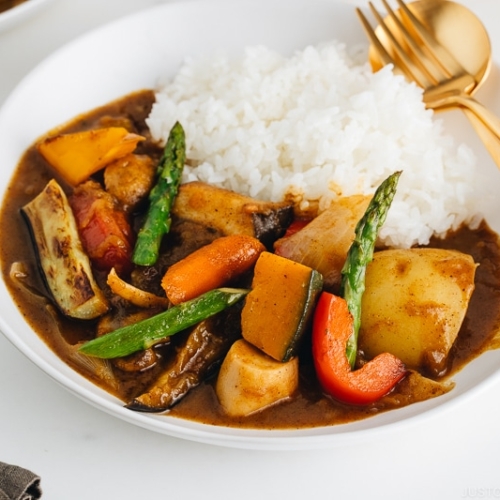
[(16, 15)]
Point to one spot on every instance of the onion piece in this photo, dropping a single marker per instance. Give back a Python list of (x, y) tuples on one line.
[(134, 295)]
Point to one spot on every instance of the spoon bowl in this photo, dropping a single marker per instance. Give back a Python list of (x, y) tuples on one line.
[(449, 79)]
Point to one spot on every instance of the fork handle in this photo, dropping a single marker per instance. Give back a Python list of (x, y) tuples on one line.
[(485, 123)]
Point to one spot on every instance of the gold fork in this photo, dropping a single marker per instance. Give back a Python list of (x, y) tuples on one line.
[(414, 51)]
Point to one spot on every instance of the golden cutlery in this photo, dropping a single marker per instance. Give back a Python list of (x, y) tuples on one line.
[(402, 39)]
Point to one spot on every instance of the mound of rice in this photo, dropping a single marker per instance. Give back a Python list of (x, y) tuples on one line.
[(319, 125)]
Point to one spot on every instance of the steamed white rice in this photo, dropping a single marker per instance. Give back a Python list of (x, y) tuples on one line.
[(320, 125)]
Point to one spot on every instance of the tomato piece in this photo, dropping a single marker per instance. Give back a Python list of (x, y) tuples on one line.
[(104, 229), (332, 326)]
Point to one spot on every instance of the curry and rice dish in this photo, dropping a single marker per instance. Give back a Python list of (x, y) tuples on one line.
[(170, 274)]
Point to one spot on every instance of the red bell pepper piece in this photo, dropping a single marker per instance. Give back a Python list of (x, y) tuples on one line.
[(104, 229), (296, 226), (332, 327)]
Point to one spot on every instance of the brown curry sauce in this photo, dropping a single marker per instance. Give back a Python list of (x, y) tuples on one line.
[(310, 408)]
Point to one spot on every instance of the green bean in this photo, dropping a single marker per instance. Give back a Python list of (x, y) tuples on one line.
[(146, 333)]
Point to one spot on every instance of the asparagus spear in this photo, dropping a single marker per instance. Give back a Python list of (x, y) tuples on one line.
[(161, 199), (361, 253), (144, 334)]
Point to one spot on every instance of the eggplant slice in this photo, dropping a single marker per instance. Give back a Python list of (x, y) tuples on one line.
[(64, 264), (196, 359)]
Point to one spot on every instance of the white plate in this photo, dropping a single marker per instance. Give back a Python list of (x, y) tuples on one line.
[(20, 13), (100, 67)]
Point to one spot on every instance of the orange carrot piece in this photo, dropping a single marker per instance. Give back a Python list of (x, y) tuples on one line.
[(211, 266)]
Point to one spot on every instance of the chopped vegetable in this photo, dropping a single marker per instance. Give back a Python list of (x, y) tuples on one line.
[(233, 213), (212, 266), (332, 327), (297, 225), (161, 199), (103, 227), (337, 319), (280, 305), (414, 305), (79, 155), (145, 334), (361, 253), (139, 361), (250, 381), (202, 350), (324, 242), (66, 267), (134, 295), (130, 179)]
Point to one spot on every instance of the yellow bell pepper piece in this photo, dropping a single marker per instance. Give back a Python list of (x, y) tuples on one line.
[(79, 155)]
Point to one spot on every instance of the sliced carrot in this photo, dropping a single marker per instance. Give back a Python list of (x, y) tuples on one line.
[(211, 266)]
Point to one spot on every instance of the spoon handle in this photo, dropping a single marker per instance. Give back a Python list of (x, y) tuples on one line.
[(485, 123), (490, 138)]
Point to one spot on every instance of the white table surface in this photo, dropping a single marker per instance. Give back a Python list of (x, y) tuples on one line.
[(82, 453)]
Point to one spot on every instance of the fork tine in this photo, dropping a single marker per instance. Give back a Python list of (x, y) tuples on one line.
[(435, 74), (379, 48), (377, 45), (404, 62), (439, 53)]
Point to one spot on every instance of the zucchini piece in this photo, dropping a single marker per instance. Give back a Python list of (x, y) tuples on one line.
[(279, 307), (65, 266), (233, 213)]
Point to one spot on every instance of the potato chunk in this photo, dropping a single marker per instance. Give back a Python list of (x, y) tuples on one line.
[(414, 304), (130, 179), (250, 381)]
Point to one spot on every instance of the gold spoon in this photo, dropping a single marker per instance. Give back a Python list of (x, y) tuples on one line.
[(463, 35)]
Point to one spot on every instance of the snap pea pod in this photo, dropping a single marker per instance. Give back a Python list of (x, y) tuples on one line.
[(144, 334), (361, 253), (161, 199)]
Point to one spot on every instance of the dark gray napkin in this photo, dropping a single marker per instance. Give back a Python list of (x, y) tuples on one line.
[(17, 483)]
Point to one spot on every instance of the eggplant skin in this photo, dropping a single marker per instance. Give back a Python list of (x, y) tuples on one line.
[(64, 264), (196, 359)]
